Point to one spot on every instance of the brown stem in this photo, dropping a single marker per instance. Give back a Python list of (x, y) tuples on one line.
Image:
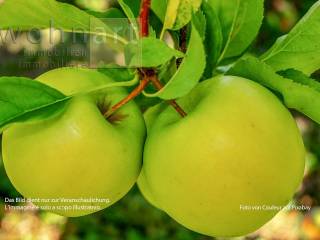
[(158, 85), (183, 39), (143, 83), (144, 18), (147, 75), (182, 43)]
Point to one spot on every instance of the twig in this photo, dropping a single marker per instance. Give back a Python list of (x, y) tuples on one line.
[(183, 39), (144, 18), (143, 83), (158, 85), (182, 43), (146, 75)]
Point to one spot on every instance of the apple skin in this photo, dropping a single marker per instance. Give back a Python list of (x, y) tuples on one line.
[(238, 146), (149, 116), (78, 154)]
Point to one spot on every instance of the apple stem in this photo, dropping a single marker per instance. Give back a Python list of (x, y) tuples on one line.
[(134, 93), (147, 74), (158, 85)]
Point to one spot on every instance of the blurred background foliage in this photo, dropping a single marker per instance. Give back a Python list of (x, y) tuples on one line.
[(133, 218)]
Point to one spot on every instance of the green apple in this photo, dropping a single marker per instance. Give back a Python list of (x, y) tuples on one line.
[(77, 162), (230, 165), (150, 116)]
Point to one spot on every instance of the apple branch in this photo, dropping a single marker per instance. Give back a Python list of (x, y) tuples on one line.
[(182, 43), (183, 39), (142, 85), (147, 74), (144, 18), (144, 32), (158, 85)]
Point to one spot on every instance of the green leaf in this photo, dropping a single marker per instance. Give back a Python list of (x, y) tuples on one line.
[(117, 73), (110, 13), (274, 47), (296, 95), (300, 77), (25, 15), (167, 70), (155, 25), (127, 10), (134, 5), (179, 13), (159, 7), (189, 72), (214, 38), (196, 4), (200, 23), (171, 14), (21, 98), (116, 17), (149, 52), (185, 11), (240, 21), (300, 49)]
